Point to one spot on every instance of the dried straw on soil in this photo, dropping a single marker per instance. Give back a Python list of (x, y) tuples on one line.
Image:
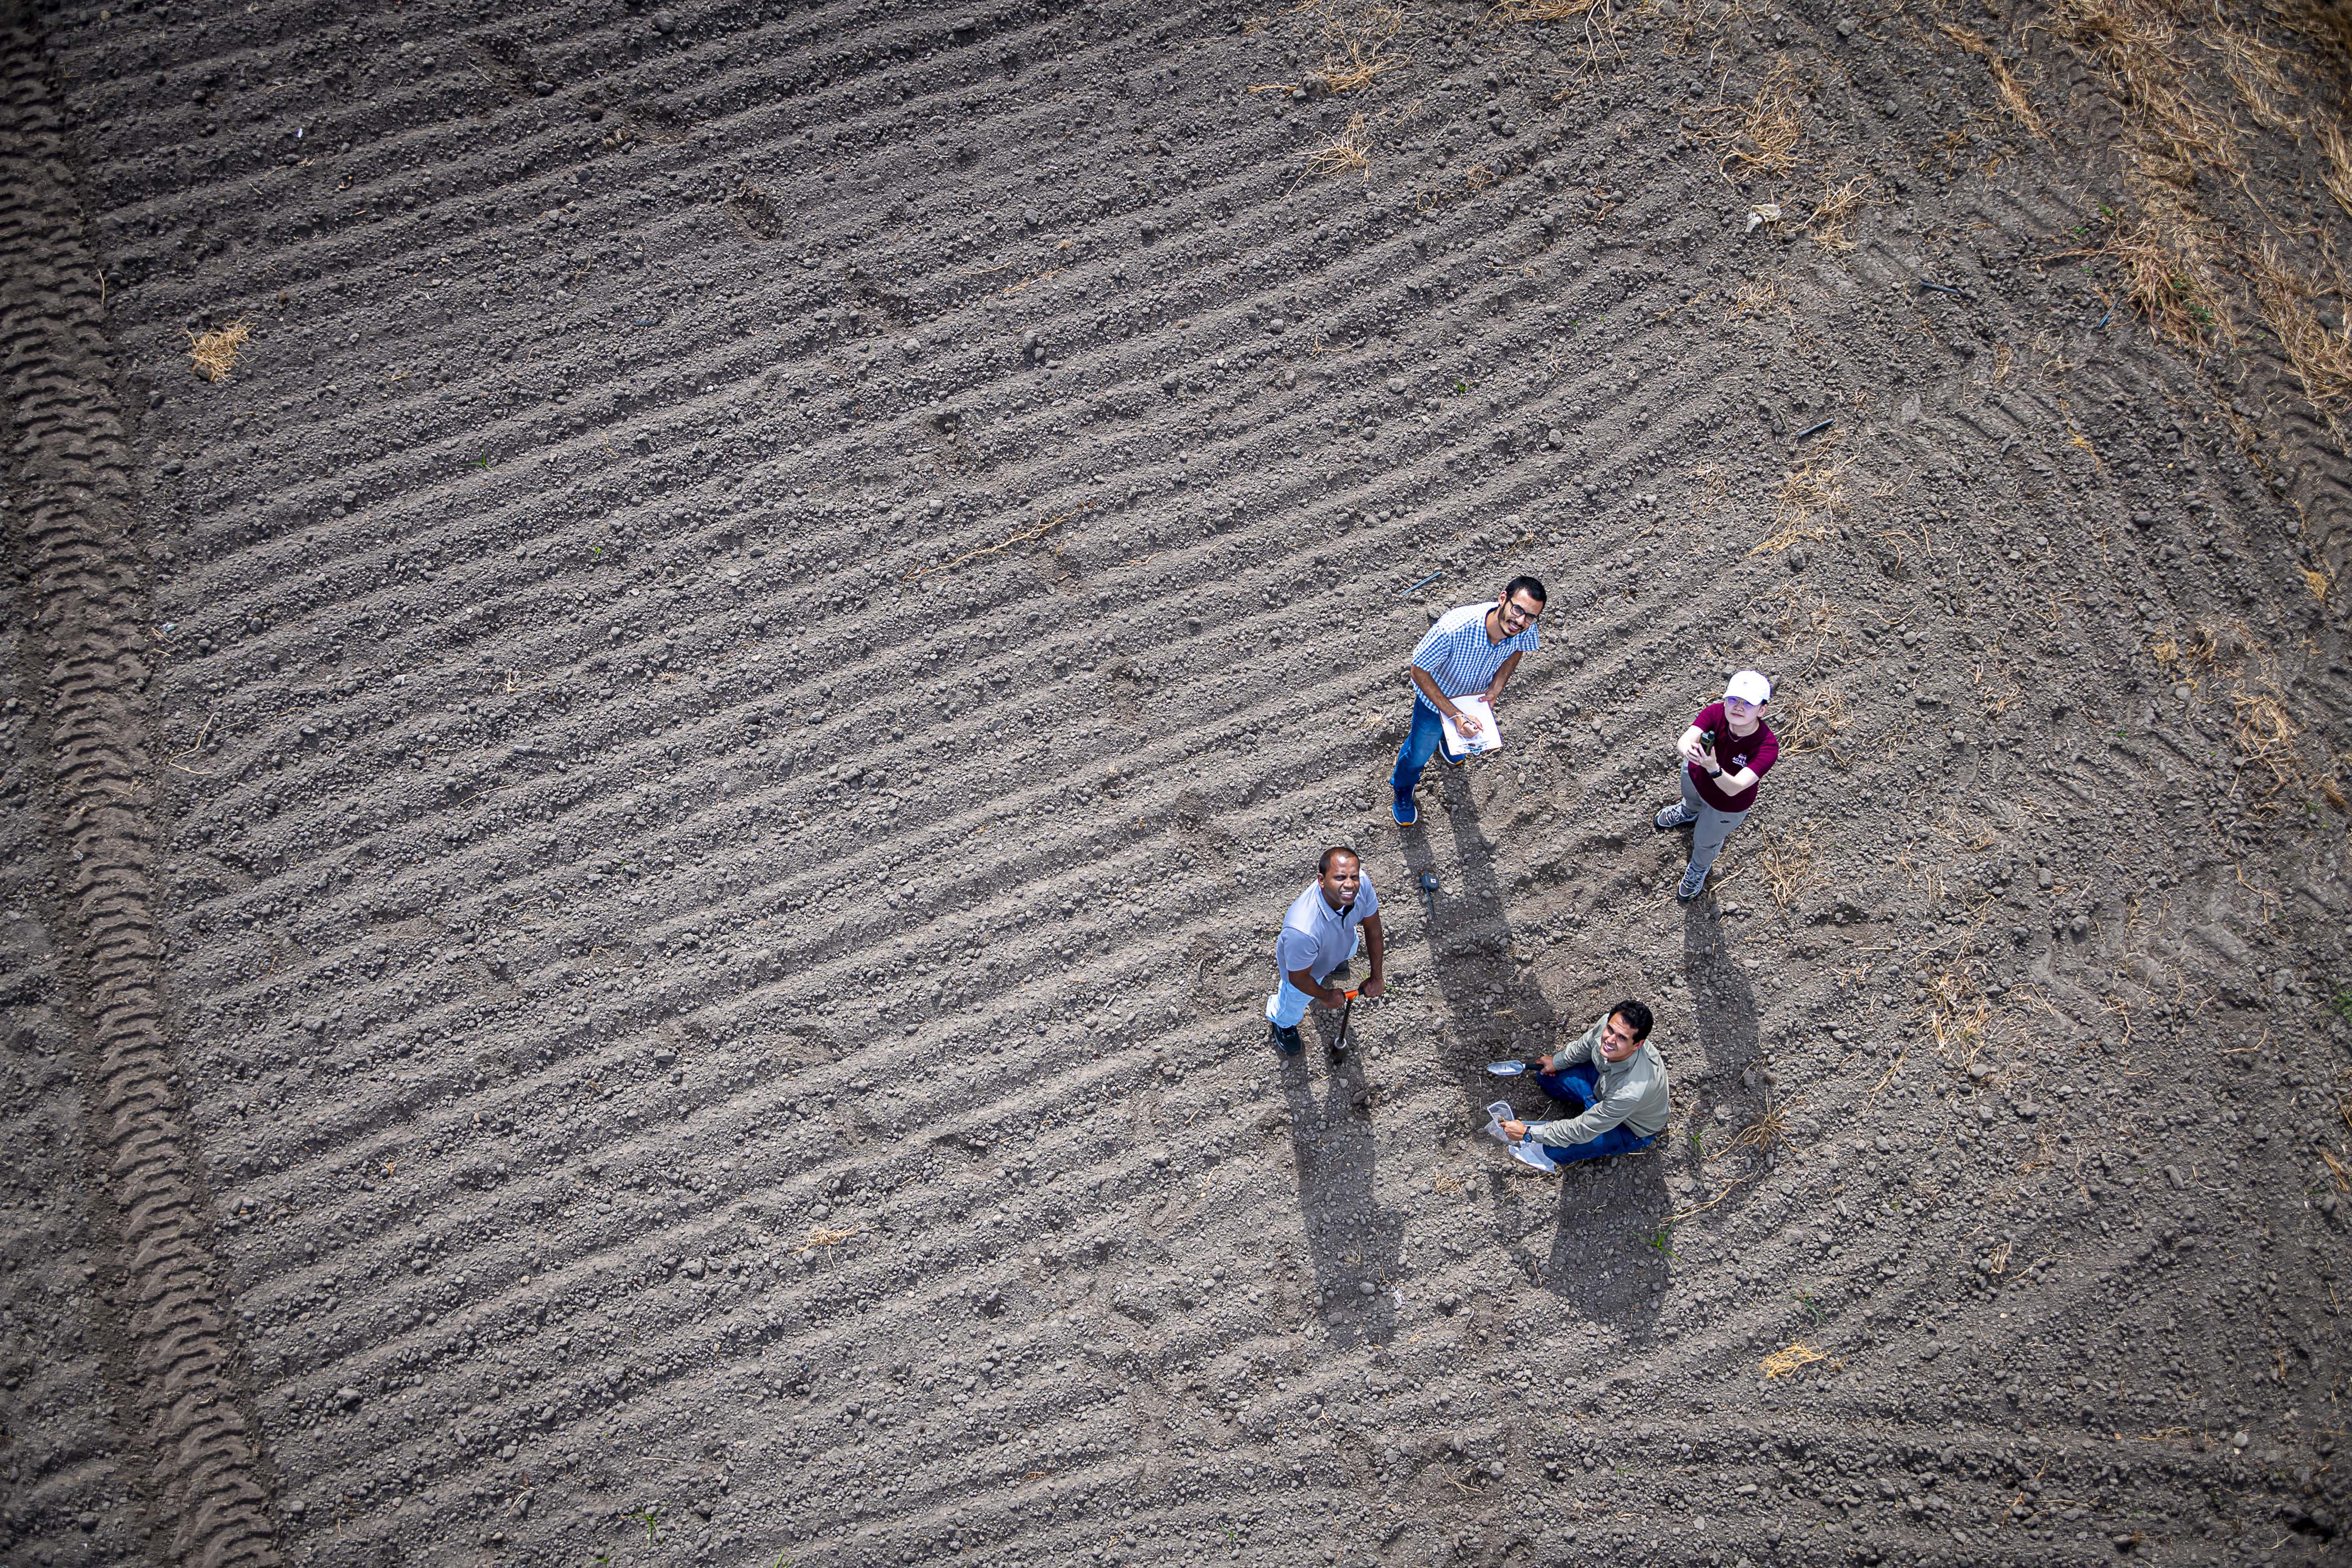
[(1765, 141), (1358, 51), (1812, 496), (1344, 152), (2321, 360), (1811, 723), (212, 354), (2012, 93), (1756, 296), (1839, 205), (1787, 862), (2337, 174), (2167, 262), (1782, 1362)]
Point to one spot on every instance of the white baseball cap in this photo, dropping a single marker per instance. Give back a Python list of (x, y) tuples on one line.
[(1750, 687)]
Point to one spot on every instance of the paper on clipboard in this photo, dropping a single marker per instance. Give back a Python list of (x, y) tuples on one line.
[(1490, 734)]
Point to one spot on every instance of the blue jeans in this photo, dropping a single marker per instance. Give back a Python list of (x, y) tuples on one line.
[(1428, 733), (1579, 1087)]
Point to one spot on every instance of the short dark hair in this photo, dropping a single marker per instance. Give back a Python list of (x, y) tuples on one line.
[(1323, 867), (1636, 1016), (1527, 585)]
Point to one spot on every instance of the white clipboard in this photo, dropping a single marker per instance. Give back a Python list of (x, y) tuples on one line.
[(1527, 1151), (1489, 737)]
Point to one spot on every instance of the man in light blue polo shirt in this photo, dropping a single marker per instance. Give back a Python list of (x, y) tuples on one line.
[(1471, 651), (1328, 925)]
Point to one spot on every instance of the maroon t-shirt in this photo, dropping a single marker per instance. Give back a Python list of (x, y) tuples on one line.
[(1732, 753)]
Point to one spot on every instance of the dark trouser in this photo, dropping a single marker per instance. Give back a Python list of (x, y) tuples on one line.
[(1579, 1087), (1428, 733)]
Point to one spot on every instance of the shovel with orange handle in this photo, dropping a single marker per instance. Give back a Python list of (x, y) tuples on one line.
[(1340, 1043)]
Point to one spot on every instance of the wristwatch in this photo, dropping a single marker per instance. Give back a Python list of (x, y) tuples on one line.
[(1715, 773)]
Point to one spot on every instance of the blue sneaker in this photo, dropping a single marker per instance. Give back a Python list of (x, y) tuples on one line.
[(1694, 879), (1285, 1040), (1404, 810)]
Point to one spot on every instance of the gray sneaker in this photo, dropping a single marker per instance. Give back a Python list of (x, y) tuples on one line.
[(1678, 815), (1688, 888)]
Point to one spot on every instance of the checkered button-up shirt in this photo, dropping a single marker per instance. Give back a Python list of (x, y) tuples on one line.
[(1457, 655)]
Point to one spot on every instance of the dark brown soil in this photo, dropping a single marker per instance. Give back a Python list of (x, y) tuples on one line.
[(637, 863)]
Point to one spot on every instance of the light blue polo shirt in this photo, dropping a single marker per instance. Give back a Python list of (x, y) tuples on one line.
[(1317, 938)]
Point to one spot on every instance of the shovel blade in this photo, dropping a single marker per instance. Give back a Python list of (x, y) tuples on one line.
[(1506, 1069)]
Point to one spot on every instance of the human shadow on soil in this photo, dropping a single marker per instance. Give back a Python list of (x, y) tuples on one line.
[(1591, 1265), (1351, 1239), (1723, 1017)]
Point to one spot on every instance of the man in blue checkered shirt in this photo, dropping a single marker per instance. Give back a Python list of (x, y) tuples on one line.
[(1470, 652)]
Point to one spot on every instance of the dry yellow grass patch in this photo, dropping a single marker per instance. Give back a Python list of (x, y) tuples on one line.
[(1839, 204), (1348, 151), (1810, 721), (2143, 56), (2166, 260), (2321, 360), (1358, 46), (212, 354), (2255, 69), (2012, 94), (1711, 487), (821, 1238), (1957, 1015), (1596, 19), (1765, 141), (2273, 769), (2174, 256), (2266, 736), (1782, 1362), (1812, 496), (1786, 861), (1756, 296), (1546, 10), (2338, 173)]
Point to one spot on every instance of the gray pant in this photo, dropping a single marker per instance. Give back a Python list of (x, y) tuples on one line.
[(1711, 829)]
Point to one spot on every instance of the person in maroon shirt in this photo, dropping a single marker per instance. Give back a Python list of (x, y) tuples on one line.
[(1725, 752)]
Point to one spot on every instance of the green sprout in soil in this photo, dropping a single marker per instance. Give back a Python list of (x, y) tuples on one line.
[(649, 1515), (1460, 388), (2341, 1004), (1809, 1304), (1658, 1241)]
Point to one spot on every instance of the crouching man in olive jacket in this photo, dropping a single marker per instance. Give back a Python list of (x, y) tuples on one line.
[(1614, 1083)]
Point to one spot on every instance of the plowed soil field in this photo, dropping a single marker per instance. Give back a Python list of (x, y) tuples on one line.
[(666, 672)]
